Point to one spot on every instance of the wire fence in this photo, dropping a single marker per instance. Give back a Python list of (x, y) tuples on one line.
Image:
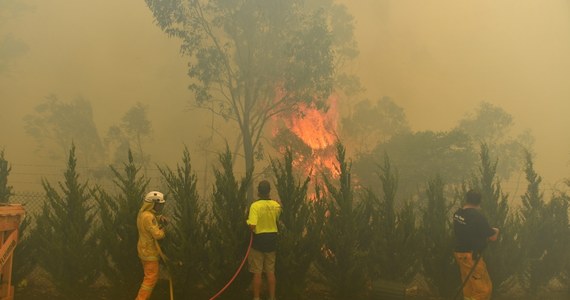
[(32, 201)]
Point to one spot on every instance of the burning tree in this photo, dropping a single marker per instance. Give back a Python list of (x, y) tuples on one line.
[(311, 135), (251, 60)]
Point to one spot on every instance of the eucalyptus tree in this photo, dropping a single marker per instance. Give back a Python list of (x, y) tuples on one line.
[(250, 60), (135, 127), (493, 126), (55, 124), (419, 154), (372, 123)]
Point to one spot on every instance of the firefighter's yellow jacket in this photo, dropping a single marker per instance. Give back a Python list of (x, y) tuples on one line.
[(149, 231)]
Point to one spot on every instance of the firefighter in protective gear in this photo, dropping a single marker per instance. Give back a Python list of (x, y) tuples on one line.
[(150, 226), (472, 231)]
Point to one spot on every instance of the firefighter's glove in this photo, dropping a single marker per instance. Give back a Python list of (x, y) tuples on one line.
[(162, 221)]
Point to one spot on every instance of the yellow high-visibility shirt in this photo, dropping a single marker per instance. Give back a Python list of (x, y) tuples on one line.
[(264, 215)]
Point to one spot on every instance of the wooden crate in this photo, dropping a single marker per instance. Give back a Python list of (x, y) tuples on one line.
[(10, 217)]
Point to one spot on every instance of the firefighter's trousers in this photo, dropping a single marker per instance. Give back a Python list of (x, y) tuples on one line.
[(479, 285)]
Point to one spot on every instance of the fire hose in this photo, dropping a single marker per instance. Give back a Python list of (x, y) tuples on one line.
[(164, 259), (238, 270)]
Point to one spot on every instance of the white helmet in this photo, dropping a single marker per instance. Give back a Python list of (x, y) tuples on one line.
[(156, 197)]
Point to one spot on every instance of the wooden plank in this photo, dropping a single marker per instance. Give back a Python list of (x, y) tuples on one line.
[(7, 248), (9, 224), (12, 210)]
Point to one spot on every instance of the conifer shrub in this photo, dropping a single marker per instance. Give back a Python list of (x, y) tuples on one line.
[(186, 237), (68, 248), (544, 234), (118, 231), (227, 233), (395, 240), (301, 224), (503, 256), (343, 259), (438, 264)]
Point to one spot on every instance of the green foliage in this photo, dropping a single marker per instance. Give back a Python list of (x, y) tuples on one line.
[(439, 267), (556, 258), (544, 234), (300, 231), (343, 261), (253, 59), (372, 123), (489, 124), (185, 242), (503, 256), (118, 231), (67, 243), (56, 124), (419, 154), (227, 233), (135, 127), (5, 189), (492, 125), (394, 233), (533, 229)]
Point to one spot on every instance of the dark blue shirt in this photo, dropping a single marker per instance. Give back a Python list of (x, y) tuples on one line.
[(471, 230)]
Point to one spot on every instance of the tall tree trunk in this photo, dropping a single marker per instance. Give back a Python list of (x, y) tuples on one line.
[(248, 155)]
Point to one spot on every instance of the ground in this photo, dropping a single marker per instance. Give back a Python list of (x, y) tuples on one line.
[(34, 292)]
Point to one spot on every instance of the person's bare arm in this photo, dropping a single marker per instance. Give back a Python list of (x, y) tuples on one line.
[(494, 236)]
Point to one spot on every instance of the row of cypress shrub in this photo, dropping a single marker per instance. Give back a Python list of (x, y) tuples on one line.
[(336, 238)]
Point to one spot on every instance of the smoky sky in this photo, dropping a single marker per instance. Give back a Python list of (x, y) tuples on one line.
[(439, 59), (436, 59)]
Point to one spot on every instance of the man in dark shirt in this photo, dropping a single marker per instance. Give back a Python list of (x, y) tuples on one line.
[(472, 231)]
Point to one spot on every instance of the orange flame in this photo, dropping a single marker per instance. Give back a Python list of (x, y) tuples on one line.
[(316, 129)]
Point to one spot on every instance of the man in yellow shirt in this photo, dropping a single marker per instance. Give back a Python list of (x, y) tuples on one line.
[(262, 220)]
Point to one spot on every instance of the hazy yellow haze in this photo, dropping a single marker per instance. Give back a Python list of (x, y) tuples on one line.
[(436, 59)]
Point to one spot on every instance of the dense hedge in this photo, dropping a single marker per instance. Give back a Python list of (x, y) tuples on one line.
[(337, 238)]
